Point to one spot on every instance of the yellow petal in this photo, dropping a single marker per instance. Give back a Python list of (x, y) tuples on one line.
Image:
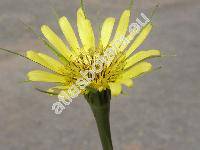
[(127, 82), (56, 42), (115, 88), (69, 34), (139, 39), (34, 57), (106, 31), (137, 70), (46, 61), (126, 42), (42, 76), (54, 89), (142, 55), (85, 31), (122, 28)]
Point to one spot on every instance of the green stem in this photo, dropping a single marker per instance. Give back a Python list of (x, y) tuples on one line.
[(100, 105)]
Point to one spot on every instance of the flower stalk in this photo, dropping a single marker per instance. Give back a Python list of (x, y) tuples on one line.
[(100, 105)]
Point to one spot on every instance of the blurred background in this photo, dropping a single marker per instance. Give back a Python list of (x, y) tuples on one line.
[(162, 111)]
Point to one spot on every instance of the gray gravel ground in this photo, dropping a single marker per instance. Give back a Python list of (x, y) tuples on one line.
[(162, 112)]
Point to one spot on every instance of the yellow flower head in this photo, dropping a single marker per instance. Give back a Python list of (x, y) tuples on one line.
[(106, 63)]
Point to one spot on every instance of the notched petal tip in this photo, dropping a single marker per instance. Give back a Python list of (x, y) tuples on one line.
[(62, 20), (80, 12), (43, 27)]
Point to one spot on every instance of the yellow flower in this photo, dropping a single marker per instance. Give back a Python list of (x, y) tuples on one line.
[(75, 57)]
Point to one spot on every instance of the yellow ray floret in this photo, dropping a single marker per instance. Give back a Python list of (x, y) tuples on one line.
[(127, 82), (58, 88), (122, 27), (42, 76), (139, 39), (142, 55), (69, 34), (85, 30), (56, 42), (46, 61), (106, 31), (115, 88), (137, 70)]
